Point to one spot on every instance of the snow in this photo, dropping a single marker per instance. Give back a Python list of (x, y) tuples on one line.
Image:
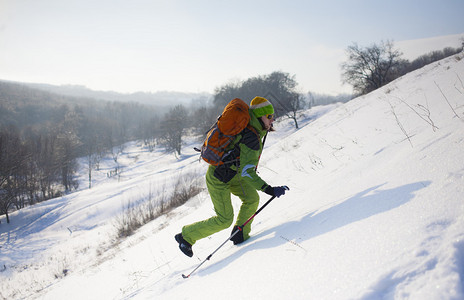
[(375, 211)]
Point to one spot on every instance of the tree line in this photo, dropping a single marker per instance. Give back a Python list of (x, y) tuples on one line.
[(42, 135)]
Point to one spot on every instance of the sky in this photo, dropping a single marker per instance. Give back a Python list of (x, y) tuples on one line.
[(198, 46)]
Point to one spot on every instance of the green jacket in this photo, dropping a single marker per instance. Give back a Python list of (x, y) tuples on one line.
[(248, 146)]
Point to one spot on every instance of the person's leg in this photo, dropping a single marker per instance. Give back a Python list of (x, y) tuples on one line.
[(220, 196), (250, 202)]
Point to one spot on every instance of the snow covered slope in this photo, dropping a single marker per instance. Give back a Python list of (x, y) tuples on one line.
[(375, 211)]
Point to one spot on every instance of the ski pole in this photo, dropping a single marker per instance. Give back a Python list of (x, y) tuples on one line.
[(240, 228)]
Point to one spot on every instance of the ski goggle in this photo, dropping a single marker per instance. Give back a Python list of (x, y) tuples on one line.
[(270, 116)]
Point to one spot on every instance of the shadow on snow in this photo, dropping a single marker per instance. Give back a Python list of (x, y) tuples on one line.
[(361, 206)]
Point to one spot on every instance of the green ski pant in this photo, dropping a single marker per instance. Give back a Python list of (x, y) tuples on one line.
[(220, 194)]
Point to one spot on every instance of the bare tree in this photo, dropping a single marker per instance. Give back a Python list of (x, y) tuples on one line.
[(370, 68), (202, 119), (92, 138), (173, 127), (47, 163), (150, 132), (227, 92), (10, 164), (292, 104), (68, 142)]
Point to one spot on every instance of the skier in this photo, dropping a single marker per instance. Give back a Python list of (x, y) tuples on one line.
[(239, 179)]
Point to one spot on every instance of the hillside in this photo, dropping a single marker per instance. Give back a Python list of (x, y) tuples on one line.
[(375, 211)]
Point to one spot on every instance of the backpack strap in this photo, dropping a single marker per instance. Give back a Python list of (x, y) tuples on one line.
[(250, 137)]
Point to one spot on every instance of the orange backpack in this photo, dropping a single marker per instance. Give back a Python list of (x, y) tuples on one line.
[(231, 122)]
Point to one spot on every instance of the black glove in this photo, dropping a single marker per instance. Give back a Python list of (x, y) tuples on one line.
[(276, 191)]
